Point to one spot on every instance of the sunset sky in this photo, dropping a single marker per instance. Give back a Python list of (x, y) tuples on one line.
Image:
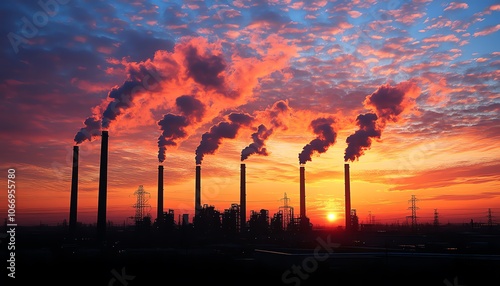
[(158, 75)]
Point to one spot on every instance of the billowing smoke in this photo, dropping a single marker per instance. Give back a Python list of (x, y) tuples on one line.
[(174, 126), (211, 140), (92, 129), (326, 136), (205, 70), (194, 66), (278, 115), (259, 142), (361, 140), (389, 103)]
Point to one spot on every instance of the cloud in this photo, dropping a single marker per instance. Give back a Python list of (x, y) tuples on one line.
[(487, 31), (446, 177), (456, 5)]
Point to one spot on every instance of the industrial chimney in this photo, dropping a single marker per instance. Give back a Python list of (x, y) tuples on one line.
[(347, 198), (74, 193), (243, 200), (197, 195), (302, 193), (159, 215), (103, 188)]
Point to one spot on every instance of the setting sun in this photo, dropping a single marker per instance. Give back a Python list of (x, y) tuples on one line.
[(330, 217)]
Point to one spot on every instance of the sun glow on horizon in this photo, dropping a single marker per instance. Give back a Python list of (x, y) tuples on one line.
[(331, 217)]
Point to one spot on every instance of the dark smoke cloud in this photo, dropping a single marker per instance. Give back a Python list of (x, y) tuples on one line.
[(389, 103), (174, 126), (326, 137), (277, 113), (259, 142), (205, 70), (92, 129), (122, 99), (211, 140), (361, 140), (191, 107)]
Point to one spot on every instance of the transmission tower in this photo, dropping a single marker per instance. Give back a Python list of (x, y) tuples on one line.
[(490, 218), (141, 204), (287, 212), (413, 209), (436, 217)]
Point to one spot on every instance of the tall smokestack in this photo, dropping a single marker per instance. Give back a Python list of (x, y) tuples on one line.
[(197, 195), (103, 188), (302, 192), (243, 197), (74, 192), (347, 198), (159, 215)]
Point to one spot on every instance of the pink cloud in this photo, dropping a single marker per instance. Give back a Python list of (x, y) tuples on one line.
[(494, 7), (354, 14), (441, 38), (456, 5), (487, 31)]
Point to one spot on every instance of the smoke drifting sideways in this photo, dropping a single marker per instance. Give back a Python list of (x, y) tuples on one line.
[(194, 66), (92, 129), (174, 126), (389, 103), (211, 140), (278, 114), (326, 136)]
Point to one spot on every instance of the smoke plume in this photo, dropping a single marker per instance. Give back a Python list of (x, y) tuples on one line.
[(211, 140), (389, 103), (205, 70), (361, 140), (174, 126), (326, 136), (92, 129), (278, 114)]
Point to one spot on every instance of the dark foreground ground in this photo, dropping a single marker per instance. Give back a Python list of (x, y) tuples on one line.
[(318, 258)]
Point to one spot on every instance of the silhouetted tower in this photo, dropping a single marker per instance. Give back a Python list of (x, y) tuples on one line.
[(243, 199), (141, 204), (287, 212), (413, 209), (197, 191), (302, 192), (347, 182), (74, 193), (354, 221), (103, 188), (436, 218), (490, 218), (159, 211)]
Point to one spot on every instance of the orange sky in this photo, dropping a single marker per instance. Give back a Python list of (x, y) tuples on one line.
[(427, 71)]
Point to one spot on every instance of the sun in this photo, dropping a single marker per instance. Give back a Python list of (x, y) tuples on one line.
[(330, 216)]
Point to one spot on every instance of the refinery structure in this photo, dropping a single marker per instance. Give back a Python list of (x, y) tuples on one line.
[(236, 219)]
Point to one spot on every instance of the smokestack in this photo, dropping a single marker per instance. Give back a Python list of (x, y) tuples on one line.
[(74, 192), (347, 198), (243, 197), (302, 192), (159, 215), (103, 188), (197, 195)]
